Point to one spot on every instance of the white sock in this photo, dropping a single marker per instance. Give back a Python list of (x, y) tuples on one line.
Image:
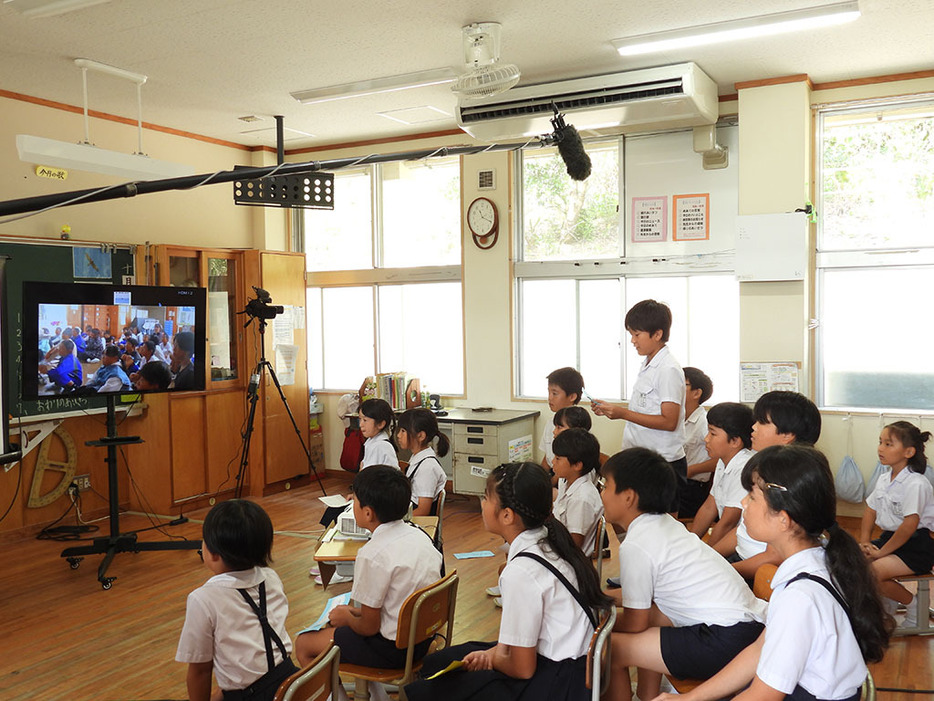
[(890, 605), (377, 692), (911, 614)]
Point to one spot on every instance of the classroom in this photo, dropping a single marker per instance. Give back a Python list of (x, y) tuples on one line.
[(818, 299)]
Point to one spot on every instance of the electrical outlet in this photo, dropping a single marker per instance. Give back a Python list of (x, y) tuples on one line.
[(83, 482)]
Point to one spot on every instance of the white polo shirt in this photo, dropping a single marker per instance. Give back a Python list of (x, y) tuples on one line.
[(695, 450), (746, 547), (548, 437), (808, 638), (579, 508), (397, 560), (538, 610), (378, 450), (660, 380), (221, 626), (894, 499), (426, 475), (661, 562), (727, 489)]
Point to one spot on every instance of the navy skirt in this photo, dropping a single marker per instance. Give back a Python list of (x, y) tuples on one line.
[(552, 681)]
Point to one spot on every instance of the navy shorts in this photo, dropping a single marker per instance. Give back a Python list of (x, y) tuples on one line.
[(373, 650), (700, 651), (917, 553)]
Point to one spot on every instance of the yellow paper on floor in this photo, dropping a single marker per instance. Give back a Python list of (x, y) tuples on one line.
[(456, 664)]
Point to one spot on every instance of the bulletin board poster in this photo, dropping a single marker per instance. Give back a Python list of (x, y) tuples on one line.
[(649, 219), (758, 378), (691, 217)]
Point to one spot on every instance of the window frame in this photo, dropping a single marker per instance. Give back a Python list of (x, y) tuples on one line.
[(865, 259), (378, 276), (622, 267)]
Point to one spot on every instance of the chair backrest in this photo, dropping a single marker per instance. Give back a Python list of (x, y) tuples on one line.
[(316, 681), (598, 655), (437, 509), (598, 545), (762, 584), (426, 611)]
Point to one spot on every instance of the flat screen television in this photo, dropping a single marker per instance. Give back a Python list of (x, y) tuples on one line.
[(85, 339)]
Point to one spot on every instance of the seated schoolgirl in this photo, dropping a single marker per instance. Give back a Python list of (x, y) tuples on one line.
[(377, 422), (825, 619), (902, 505), (417, 430), (551, 604)]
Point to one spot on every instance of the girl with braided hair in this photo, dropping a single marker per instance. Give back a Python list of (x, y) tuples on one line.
[(825, 619), (551, 604)]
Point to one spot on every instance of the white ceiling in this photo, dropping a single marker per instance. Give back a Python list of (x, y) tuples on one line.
[(210, 62)]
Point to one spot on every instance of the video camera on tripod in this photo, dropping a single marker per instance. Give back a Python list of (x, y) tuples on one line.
[(260, 308)]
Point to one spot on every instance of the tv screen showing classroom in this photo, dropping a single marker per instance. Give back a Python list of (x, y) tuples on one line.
[(89, 339)]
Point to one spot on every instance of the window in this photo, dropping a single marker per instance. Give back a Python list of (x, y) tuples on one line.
[(576, 275), (875, 256), (385, 290)]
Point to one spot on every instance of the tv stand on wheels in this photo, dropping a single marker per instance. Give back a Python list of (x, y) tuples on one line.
[(117, 542)]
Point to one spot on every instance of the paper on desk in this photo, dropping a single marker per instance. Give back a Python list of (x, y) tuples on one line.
[(340, 600), (335, 501), (475, 553), (456, 664)]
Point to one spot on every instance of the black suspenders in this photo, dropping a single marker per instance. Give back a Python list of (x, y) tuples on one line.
[(269, 635), (578, 597)]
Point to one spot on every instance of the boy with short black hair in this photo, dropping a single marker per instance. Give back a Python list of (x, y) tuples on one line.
[(655, 415), (686, 612), (235, 622), (783, 417), (578, 505), (110, 377), (397, 560), (728, 439), (565, 388), (698, 389)]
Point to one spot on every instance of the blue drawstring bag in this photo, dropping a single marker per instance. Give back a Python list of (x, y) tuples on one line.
[(849, 482), (874, 477)]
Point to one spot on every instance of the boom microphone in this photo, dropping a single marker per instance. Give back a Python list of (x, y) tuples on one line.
[(570, 146)]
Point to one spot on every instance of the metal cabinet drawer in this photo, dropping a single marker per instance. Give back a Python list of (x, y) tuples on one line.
[(471, 472), (476, 439)]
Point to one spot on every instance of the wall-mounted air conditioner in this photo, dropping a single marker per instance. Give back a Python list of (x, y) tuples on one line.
[(666, 97)]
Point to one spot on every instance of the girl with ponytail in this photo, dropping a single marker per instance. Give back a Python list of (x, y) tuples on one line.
[(902, 505), (825, 619), (551, 604)]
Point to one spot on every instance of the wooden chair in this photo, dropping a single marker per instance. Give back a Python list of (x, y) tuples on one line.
[(598, 548), (315, 682), (423, 614), (598, 656), (762, 584)]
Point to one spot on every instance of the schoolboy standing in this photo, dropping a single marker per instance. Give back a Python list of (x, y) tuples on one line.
[(655, 415)]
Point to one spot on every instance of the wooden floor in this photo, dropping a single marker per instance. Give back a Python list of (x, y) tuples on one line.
[(63, 637)]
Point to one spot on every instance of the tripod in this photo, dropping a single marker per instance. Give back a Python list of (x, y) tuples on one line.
[(118, 542), (253, 395)]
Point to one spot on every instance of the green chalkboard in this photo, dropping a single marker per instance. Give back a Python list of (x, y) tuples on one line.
[(47, 263)]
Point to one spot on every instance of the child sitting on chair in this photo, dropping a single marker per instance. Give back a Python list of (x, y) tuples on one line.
[(398, 560), (235, 622)]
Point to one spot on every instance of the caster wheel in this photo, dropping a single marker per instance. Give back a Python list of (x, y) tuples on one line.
[(74, 562), (107, 584)]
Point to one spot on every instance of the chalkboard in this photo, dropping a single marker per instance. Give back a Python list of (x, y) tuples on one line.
[(46, 263)]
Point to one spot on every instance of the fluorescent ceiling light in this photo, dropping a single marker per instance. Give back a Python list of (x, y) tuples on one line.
[(721, 32), (406, 81), (62, 154), (49, 8)]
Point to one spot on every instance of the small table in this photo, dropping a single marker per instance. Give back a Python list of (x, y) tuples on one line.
[(329, 553)]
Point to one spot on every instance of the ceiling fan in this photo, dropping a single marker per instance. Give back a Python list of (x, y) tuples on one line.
[(485, 75)]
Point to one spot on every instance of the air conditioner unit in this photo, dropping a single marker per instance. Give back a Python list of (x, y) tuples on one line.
[(667, 97)]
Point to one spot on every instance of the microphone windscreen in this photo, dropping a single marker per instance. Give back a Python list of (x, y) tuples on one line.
[(572, 153)]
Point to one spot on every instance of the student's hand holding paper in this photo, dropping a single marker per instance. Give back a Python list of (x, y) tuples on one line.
[(479, 660), (342, 615)]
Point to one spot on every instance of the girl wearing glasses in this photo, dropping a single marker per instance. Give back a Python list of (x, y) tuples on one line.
[(825, 619)]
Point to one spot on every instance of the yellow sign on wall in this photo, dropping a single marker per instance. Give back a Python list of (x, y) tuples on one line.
[(52, 173)]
